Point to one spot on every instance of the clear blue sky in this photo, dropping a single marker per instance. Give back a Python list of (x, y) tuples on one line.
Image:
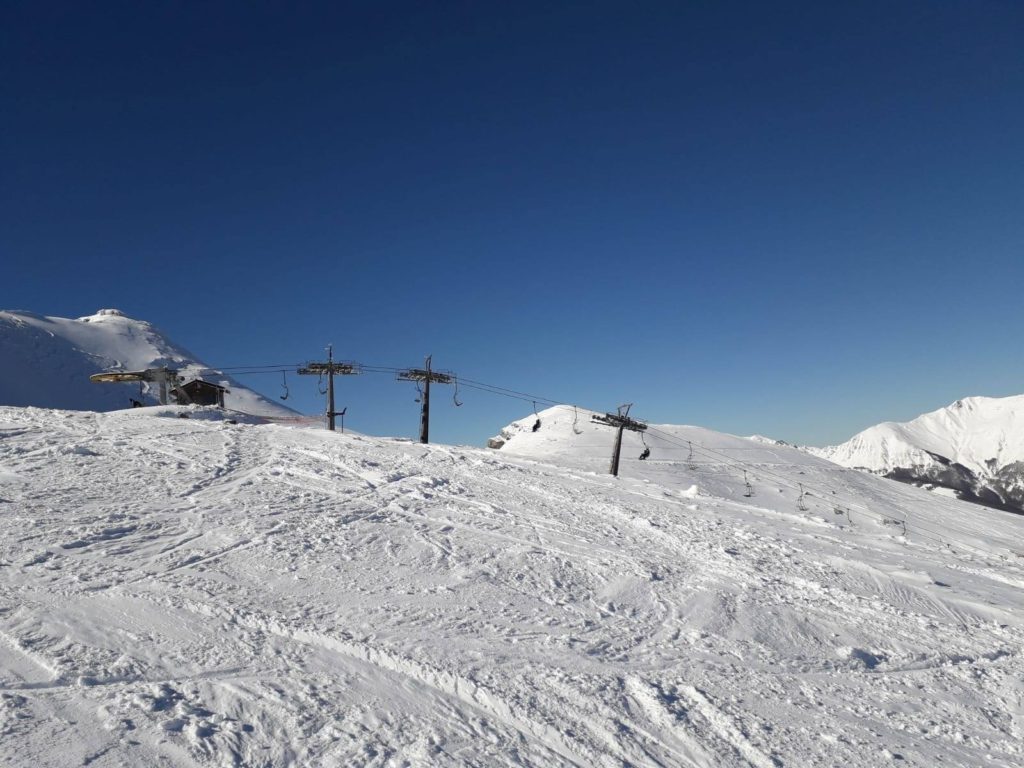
[(796, 219)]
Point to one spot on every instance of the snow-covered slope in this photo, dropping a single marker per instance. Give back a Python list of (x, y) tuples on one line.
[(46, 362), (974, 447), (194, 593)]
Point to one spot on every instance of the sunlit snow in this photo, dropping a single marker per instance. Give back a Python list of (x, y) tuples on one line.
[(197, 593)]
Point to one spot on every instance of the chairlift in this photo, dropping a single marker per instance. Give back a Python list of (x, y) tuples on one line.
[(455, 396), (575, 420), (746, 482), (800, 500), (320, 385), (689, 458), (284, 383), (646, 451), (419, 393), (536, 424)]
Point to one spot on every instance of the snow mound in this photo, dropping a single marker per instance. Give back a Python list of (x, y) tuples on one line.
[(48, 361), (196, 593), (568, 433)]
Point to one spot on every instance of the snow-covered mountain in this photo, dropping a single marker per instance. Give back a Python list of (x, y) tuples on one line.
[(46, 362), (197, 593), (973, 448)]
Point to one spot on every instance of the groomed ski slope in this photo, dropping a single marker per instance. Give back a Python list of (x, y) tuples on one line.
[(190, 592)]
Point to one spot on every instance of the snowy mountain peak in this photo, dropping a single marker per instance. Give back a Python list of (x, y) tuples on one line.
[(53, 358), (974, 446), (100, 313)]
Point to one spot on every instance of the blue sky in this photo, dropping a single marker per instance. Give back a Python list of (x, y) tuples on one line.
[(794, 219)]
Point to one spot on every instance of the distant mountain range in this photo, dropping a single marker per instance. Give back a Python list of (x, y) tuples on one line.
[(46, 362), (973, 449)]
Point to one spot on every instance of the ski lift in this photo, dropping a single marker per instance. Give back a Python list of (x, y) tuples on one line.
[(284, 383), (320, 385), (575, 420), (419, 393), (689, 459), (800, 499), (455, 396), (750, 488), (536, 424), (646, 451)]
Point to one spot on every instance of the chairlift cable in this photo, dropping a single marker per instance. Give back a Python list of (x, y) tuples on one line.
[(920, 530)]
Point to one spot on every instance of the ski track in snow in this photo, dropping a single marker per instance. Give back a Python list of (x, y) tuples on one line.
[(194, 593)]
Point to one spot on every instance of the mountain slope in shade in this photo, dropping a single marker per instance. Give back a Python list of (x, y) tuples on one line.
[(974, 447), (46, 362)]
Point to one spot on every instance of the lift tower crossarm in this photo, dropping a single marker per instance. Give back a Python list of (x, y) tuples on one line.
[(339, 369), (422, 375)]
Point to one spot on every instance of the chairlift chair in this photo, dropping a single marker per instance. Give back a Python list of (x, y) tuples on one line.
[(646, 451), (575, 420)]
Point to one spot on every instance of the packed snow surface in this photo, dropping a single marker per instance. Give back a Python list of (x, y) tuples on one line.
[(47, 362), (190, 592)]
